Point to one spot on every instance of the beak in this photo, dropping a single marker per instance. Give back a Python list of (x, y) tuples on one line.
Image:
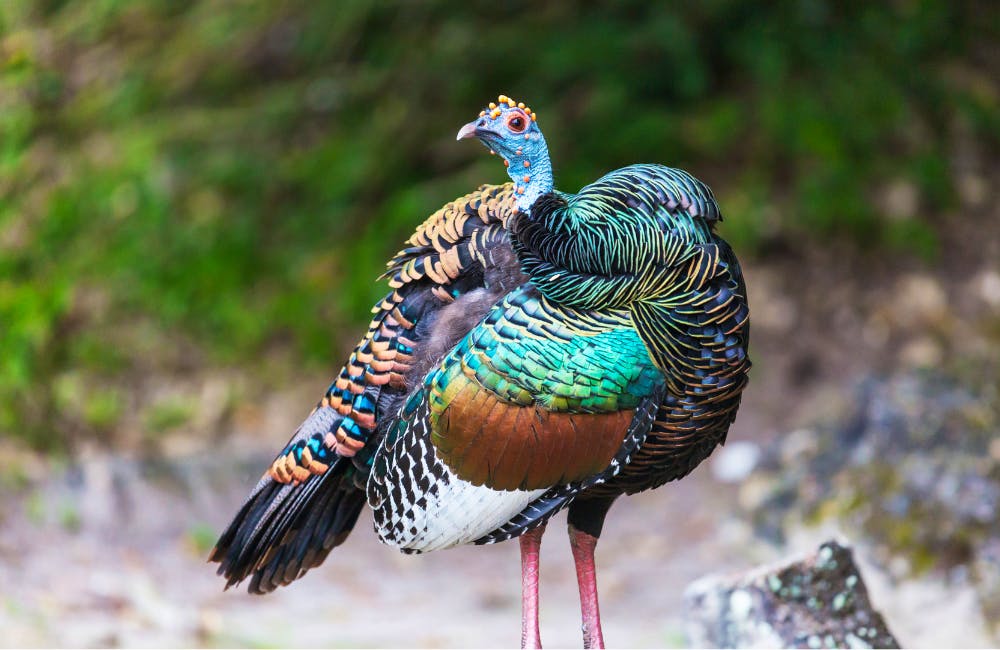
[(467, 131)]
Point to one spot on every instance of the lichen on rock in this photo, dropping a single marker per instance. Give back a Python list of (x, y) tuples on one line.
[(815, 602)]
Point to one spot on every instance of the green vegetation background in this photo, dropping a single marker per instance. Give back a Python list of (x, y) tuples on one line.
[(189, 184)]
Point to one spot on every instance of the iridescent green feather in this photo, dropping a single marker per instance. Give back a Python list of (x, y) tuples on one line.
[(529, 351)]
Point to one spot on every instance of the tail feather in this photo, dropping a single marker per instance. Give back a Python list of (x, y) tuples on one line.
[(308, 536), (283, 530)]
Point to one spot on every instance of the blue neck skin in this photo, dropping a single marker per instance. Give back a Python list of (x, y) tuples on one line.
[(531, 162)]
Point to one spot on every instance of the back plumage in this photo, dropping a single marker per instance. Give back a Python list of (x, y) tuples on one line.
[(308, 501)]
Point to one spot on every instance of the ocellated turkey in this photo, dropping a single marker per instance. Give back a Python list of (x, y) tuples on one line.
[(537, 351)]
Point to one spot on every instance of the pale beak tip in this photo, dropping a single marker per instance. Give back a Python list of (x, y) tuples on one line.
[(467, 131)]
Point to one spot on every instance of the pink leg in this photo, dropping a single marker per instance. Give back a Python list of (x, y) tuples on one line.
[(530, 543), (586, 575)]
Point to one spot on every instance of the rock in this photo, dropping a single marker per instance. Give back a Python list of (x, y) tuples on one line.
[(912, 475), (814, 602)]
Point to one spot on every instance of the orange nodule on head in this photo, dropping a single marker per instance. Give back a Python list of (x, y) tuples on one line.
[(504, 99), (517, 117)]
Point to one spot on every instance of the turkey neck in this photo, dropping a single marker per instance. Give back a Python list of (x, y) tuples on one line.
[(531, 170)]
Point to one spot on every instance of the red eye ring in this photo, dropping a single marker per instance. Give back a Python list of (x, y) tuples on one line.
[(517, 122)]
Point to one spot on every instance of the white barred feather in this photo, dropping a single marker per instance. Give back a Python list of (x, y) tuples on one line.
[(420, 505)]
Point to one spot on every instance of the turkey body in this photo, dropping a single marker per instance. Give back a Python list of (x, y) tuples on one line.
[(562, 381), (537, 351), (616, 367)]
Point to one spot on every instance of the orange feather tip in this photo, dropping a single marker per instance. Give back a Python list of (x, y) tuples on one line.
[(403, 321), (347, 451), (366, 420), (380, 366)]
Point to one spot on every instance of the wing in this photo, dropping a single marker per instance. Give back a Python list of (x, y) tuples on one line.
[(538, 394), (537, 397), (310, 497)]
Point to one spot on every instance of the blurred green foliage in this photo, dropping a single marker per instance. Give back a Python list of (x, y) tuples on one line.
[(187, 183)]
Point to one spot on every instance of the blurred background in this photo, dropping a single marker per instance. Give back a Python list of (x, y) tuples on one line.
[(195, 199)]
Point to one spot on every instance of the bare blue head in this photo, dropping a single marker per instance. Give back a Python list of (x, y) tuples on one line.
[(510, 130)]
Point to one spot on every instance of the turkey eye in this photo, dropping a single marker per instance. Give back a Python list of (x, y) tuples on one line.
[(516, 124)]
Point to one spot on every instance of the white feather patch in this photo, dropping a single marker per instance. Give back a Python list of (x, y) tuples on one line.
[(420, 505)]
